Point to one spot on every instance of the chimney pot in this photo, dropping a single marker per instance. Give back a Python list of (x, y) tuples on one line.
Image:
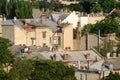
[(87, 56), (65, 56), (108, 55), (54, 57)]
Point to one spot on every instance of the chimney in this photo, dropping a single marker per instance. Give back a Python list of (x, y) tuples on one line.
[(15, 18), (54, 57), (118, 55), (78, 30), (111, 66), (78, 64), (65, 56), (88, 64), (108, 55), (114, 55), (87, 56), (87, 41), (96, 58), (78, 35), (43, 17)]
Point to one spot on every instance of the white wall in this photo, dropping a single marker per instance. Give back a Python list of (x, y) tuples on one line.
[(72, 18), (83, 21)]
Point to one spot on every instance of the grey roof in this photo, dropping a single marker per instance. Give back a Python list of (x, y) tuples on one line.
[(56, 15), (115, 62), (73, 55), (18, 22), (99, 66), (59, 15), (8, 23), (50, 23), (12, 22)]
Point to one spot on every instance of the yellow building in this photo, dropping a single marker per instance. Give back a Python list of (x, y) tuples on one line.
[(38, 32)]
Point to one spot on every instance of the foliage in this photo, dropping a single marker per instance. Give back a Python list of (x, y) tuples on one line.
[(114, 76), (5, 54), (10, 9), (21, 69), (4, 75), (76, 7), (118, 49), (107, 26), (95, 8), (88, 27), (23, 9), (49, 70), (74, 33), (105, 48), (107, 5), (86, 6)]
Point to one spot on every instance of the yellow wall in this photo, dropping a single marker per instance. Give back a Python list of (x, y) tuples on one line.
[(8, 32), (94, 19), (68, 36), (20, 35)]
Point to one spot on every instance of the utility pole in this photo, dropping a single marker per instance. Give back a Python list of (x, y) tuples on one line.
[(99, 40)]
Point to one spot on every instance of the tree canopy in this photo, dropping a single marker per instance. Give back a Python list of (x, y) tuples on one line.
[(5, 53), (49, 70)]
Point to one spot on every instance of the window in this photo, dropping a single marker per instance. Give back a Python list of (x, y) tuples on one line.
[(57, 40), (50, 40), (44, 34), (33, 40)]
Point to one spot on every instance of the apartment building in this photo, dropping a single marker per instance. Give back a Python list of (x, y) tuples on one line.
[(38, 32)]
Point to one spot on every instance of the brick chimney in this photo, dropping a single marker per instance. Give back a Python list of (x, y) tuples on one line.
[(87, 41), (54, 57), (108, 55), (87, 56), (114, 55), (65, 56), (78, 64)]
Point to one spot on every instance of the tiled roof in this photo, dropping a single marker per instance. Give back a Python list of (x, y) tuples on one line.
[(50, 23), (12, 22), (59, 15), (118, 11), (99, 66), (35, 22), (8, 23), (73, 55), (115, 62)]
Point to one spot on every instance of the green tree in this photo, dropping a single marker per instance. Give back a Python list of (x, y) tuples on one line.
[(88, 27), (23, 9), (6, 56), (118, 49), (10, 9), (105, 48), (49, 70), (107, 5), (107, 26), (4, 75), (114, 76), (3, 7), (76, 7), (95, 8), (21, 69), (74, 33)]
